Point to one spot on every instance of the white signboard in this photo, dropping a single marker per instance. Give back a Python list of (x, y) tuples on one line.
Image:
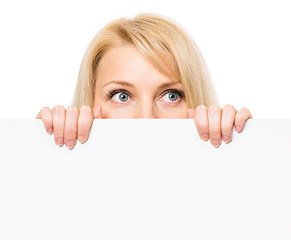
[(145, 179)]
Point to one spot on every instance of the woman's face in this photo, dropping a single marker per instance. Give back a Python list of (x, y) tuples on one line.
[(128, 86)]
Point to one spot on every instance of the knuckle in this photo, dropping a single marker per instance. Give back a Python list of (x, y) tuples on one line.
[(246, 110), (201, 107), (69, 131), (45, 109), (72, 109), (58, 108), (85, 108), (214, 108), (228, 107), (43, 112)]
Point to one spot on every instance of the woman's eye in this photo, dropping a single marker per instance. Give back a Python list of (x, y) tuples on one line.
[(120, 97), (173, 95)]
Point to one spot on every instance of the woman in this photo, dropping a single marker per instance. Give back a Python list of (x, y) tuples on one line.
[(145, 67)]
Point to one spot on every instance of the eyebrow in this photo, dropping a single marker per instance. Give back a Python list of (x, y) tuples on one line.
[(124, 83)]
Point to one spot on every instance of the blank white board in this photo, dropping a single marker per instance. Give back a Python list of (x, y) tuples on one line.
[(145, 179)]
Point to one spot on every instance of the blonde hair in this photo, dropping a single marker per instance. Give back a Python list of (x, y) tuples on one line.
[(163, 43)]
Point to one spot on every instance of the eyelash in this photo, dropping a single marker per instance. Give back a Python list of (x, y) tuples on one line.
[(111, 93)]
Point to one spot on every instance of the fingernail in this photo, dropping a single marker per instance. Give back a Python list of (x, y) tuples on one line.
[(205, 137), (81, 139), (237, 128), (60, 141), (70, 144), (226, 138), (215, 143), (50, 131)]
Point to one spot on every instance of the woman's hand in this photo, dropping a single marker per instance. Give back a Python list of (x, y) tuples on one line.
[(216, 123), (69, 124)]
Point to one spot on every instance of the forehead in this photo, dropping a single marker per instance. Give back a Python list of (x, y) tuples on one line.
[(127, 62)]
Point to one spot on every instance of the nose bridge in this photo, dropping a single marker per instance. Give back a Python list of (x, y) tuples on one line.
[(146, 108)]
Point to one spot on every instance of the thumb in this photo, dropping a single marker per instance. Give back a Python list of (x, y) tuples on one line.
[(97, 111), (191, 113)]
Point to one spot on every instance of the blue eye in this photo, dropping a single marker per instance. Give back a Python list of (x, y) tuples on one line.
[(174, 94), (123, 97)]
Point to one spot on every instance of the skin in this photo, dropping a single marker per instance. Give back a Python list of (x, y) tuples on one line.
[(144, 99)]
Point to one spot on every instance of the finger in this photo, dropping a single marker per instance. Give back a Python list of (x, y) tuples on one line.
[(46, 116), (227, 122), (214, 116), (71, 126), (240, 118), (58, 114), (201, 121), (84, 123), (97, 111)]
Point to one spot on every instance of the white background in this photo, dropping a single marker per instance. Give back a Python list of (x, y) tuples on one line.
[(246, 45)]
